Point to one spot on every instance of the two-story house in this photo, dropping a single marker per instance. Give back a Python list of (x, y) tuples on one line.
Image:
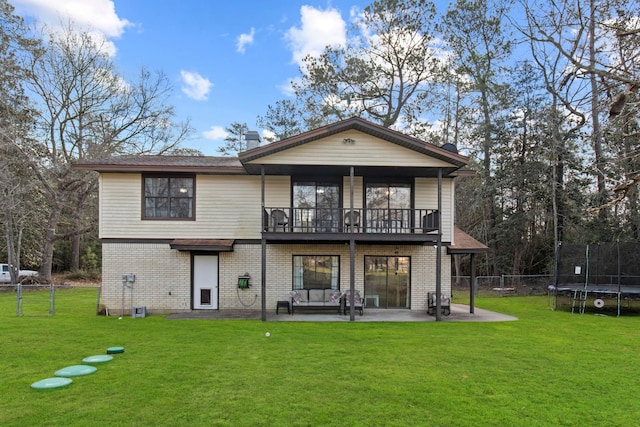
[(351, 205)]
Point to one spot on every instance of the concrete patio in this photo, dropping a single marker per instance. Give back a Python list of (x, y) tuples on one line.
[(459, 313)]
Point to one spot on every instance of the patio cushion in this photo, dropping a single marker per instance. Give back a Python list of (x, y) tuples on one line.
[(300, 296), (316, 295), (332, 296)]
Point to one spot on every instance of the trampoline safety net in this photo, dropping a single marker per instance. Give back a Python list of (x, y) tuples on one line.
[(599, 278)]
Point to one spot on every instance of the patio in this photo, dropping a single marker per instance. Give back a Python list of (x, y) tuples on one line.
[(459, 313)]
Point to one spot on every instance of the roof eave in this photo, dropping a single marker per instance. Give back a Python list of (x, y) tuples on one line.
[(213, 170)]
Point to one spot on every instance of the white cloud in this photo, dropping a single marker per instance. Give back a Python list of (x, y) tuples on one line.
[(195, 86), (97, 17), (216, 133), (267, 135), (245, 39), (286, 88), (318, 29)]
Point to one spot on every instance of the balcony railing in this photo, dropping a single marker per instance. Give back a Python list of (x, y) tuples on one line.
[(336, 220)]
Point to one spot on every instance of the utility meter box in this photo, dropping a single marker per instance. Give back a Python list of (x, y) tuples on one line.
[(139, 311)]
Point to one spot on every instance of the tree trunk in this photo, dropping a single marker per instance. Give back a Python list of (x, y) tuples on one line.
[(487, 145), (595, 115), (76, 244), (76, 239), (11, 249), (49, 242)]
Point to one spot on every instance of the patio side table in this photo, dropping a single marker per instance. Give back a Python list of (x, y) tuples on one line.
[(283, 304)]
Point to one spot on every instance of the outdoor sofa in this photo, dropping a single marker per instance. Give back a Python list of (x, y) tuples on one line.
[(316, 298)]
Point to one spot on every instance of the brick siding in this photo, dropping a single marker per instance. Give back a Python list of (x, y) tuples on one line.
[(163, 275)]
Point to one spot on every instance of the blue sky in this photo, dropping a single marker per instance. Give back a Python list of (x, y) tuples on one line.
[(227, 60)]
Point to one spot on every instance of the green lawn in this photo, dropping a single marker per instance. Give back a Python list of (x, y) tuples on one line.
[(546, 369)]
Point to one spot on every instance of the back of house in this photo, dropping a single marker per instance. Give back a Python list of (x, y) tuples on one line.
[(351, 205)]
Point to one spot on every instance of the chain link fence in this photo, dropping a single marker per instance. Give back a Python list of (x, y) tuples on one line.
[(505, 284)]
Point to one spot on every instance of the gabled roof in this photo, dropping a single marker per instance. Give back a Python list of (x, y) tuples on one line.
[(248, 162), (359, 124), (162, 163)]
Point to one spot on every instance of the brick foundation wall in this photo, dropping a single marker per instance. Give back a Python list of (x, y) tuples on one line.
[(163, 275)]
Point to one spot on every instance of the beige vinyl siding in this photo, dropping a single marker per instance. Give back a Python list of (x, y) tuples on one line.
[(101, 205), (277, 191), (227, 207), (364, 151), (426, 197), (357, 192), (120, 204)]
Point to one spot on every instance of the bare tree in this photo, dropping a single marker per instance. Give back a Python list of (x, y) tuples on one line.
[(18, 197), (86, 110), (590, 56)]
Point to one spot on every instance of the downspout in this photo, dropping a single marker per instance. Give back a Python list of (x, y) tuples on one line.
[(352, 250), (263, 299), (439, 251)]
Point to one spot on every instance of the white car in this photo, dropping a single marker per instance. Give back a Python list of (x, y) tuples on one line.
[(5, 276)]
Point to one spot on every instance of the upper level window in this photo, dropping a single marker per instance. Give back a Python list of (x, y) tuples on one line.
[(388, 207), (167, 197), (317, 206)]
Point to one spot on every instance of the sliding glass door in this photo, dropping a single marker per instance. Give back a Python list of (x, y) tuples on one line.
[(388, 207), (386, 281), (316, 206)]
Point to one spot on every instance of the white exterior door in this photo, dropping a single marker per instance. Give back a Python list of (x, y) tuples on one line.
[(205, 282)]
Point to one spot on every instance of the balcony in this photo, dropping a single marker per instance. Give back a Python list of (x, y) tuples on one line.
[(334, 224)]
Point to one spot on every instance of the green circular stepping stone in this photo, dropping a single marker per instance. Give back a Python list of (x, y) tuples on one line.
[(115, 350), (75, 371), (100, 358), (55, 382)]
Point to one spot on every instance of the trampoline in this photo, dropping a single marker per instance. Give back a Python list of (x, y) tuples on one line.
[(601, 278)]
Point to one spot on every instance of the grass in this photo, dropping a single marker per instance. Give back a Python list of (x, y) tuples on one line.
[(548, 368)]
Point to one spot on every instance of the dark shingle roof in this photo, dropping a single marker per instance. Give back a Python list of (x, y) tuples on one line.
[(162, 163), (465, 244)]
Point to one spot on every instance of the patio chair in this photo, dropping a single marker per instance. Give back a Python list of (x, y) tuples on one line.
[(445, 303), (352, 220), (358, 302), (279, 219)]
